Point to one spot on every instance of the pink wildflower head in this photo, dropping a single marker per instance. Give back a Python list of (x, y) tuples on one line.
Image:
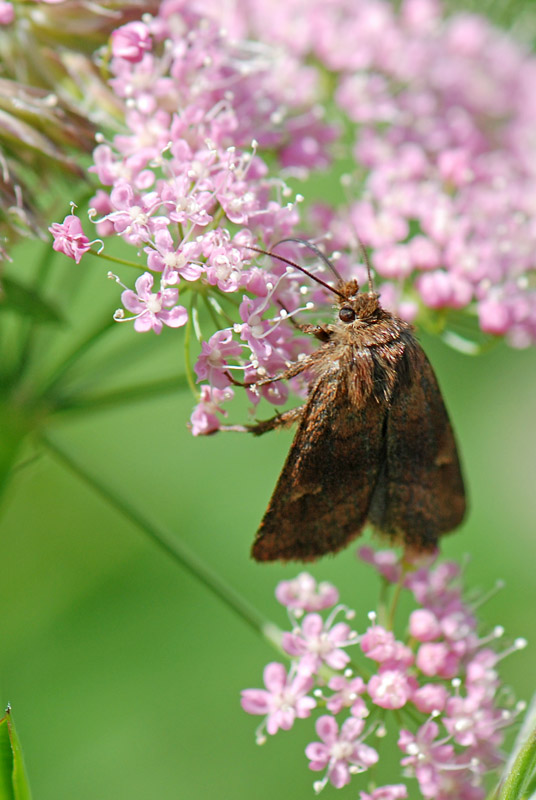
[(69, 238), (340, 753), (450, 754), (284, 699)]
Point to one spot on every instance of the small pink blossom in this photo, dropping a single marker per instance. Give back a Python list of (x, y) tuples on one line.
[(390, 688), (386, 562), (203, 419), (380, 645), (69, 238), (339, 751), (131, 41), (425, 757), (437, 659), (212, 364), (423, 625), (153, 309), (304, 593), (430, 697), (284, 699), (315, 643), (346, 695)]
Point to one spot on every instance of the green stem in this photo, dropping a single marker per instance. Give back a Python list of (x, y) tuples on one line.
[(187, 340), (174, 548), (522, 770), (129, 394), (396, 596), (115, 260)]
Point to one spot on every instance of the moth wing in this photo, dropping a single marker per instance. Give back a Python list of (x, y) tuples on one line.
[(323, 494), (419, 494)]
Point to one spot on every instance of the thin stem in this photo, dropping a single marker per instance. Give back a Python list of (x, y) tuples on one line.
[(396, 596), (187, 340), (173, 547), (521, 771), (115, 260)]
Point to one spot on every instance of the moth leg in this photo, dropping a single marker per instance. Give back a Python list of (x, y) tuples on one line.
[(291, 372), (279, 421)]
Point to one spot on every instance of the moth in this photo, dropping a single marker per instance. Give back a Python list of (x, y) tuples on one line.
[(374, 442)]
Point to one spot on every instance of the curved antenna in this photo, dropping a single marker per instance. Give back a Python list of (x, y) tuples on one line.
[(367, 263), (315, 250), (296, 266)]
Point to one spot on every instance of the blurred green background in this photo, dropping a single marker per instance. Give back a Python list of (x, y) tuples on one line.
[(123, 671)]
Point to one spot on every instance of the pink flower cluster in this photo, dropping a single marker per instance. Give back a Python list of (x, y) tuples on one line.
[(441, 111), (443, 678)]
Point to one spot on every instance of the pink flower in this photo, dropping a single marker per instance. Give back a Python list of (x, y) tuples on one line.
[(339, 751), (390, 688), (213, 361), (69, 238), (346, 695), (153, 309), (437, 659), (380, 645), (204, 419), (430, 697), (385, 561), (316, 643), (423, 625), (131, 41), (284, 699), (426, 758), (304, 593)]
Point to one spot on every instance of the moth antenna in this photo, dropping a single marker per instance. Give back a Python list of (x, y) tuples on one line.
[(296, 266), (315, 250), (367, 263)]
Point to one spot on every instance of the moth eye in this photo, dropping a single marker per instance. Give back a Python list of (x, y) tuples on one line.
[(346, 314)]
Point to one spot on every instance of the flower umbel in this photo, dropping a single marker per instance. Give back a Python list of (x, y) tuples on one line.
[(453, 727)]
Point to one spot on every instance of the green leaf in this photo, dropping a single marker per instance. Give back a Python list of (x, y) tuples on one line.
[(27, 302), (13, 780)]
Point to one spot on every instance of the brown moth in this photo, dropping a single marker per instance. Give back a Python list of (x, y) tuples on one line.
[(374, 442)]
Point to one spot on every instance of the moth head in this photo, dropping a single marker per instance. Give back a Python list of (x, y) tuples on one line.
[(355, 305)]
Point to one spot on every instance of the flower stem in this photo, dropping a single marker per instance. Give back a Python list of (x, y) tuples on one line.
[(187, 340), (172, 546), (115, 260), (521, 771)]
